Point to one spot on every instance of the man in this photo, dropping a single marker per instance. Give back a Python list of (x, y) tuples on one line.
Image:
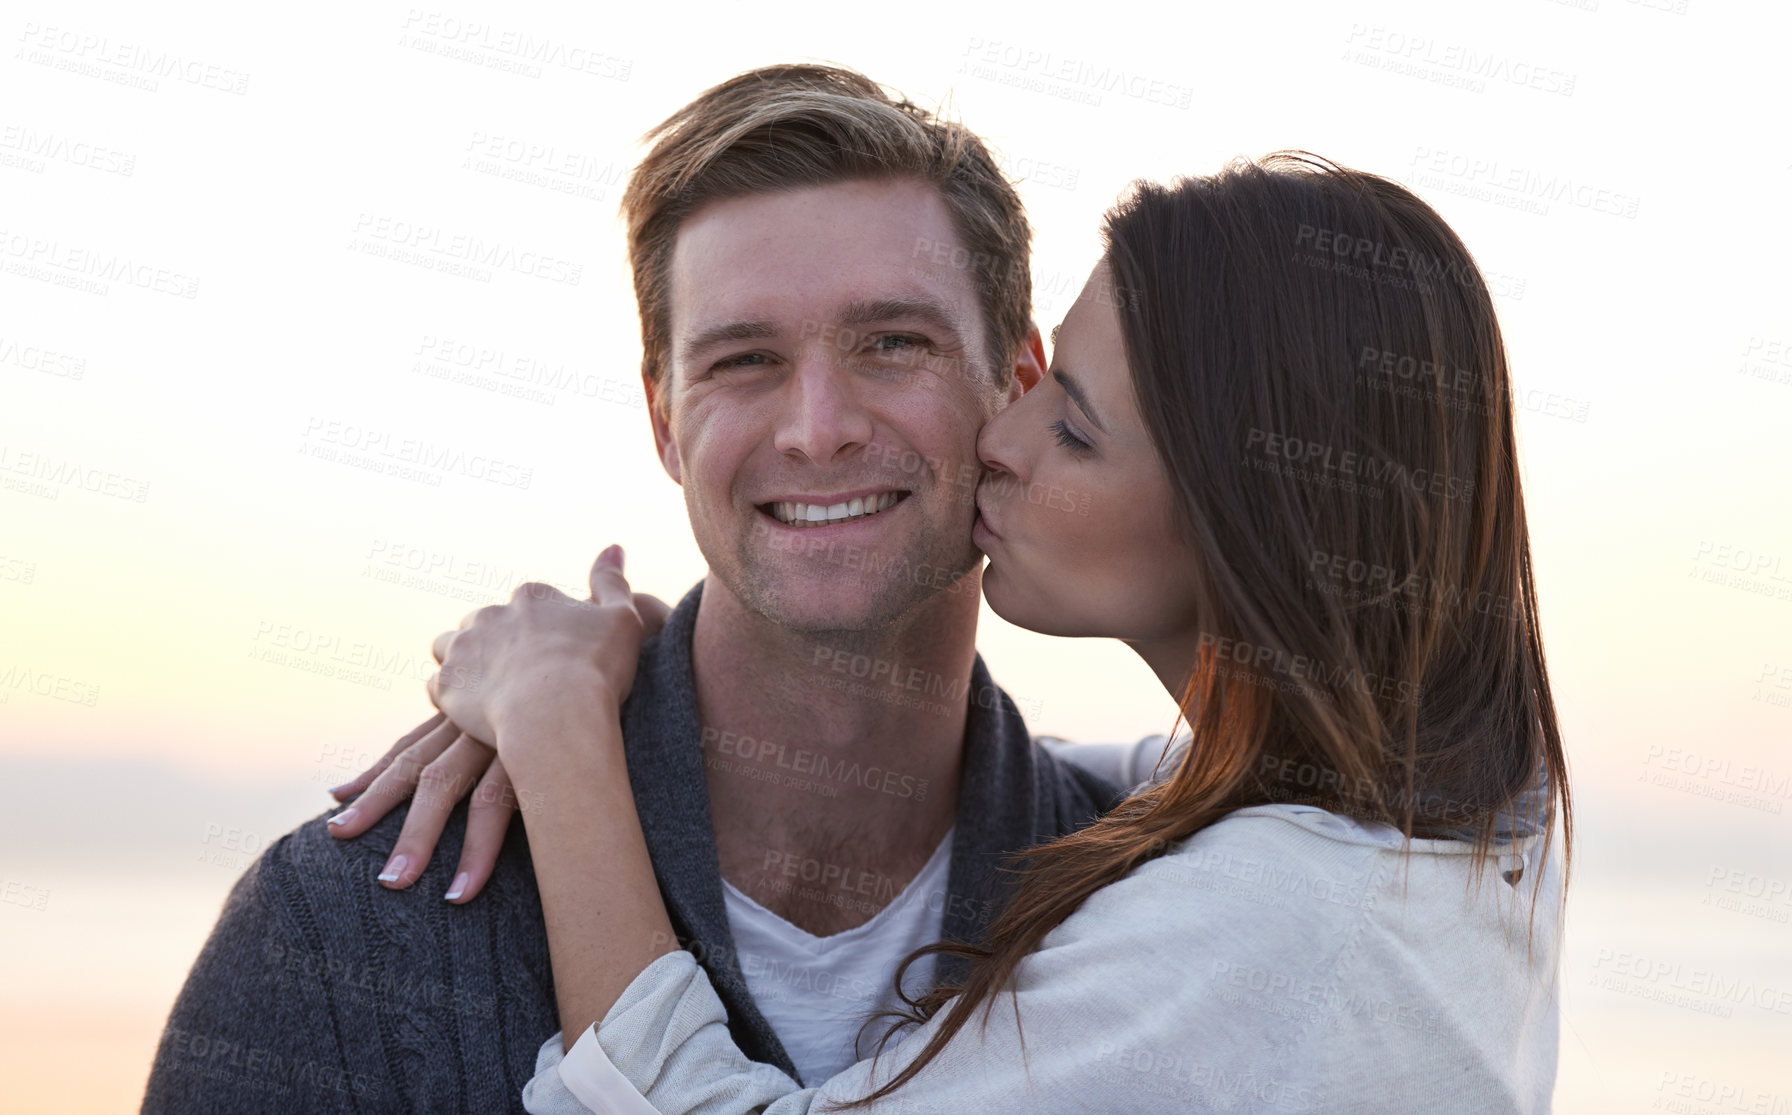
[(834, 295)]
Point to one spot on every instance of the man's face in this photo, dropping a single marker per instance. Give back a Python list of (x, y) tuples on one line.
[(825, 391)]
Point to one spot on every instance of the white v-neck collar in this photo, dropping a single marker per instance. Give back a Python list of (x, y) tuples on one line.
[(941, 853)]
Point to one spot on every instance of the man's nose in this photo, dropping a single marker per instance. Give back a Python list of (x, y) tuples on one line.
[(824, 418)]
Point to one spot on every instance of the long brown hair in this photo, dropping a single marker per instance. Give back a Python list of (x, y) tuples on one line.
[(1318, 362)]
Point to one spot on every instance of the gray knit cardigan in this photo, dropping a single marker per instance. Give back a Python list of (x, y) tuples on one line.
[(320, 991)]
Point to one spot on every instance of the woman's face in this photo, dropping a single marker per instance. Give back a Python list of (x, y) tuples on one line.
[(1075, 516)]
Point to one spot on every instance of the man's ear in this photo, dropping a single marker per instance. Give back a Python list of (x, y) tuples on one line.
[(662, 430), (1029, 366)]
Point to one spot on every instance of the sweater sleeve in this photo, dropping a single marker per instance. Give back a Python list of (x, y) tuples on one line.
[(1125, 1006), (1129, 766), (245, 1034)]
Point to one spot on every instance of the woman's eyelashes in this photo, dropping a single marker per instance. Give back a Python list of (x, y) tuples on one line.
[(1069, 440)]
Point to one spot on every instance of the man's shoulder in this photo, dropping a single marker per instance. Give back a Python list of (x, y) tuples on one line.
[(311, 868), (1081, 794)]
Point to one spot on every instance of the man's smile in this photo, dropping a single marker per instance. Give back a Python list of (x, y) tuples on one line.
[(804, 511)]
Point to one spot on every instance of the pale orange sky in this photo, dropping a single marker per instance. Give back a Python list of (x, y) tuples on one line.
[(164, 651)]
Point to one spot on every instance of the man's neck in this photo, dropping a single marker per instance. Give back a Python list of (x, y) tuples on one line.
[(825, 761)]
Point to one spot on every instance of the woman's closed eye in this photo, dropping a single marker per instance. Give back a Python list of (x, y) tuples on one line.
[(1067, 439)]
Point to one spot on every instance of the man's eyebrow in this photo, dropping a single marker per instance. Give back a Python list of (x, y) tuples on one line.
[(1075, 391), (729, 331), (870, 312)]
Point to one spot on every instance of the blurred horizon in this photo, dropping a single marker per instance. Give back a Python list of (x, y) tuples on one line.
[(189, 556)]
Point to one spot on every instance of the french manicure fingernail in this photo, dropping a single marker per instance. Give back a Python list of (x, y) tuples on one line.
[(394, 868), (460, 884), (335, 789), (345, 816)]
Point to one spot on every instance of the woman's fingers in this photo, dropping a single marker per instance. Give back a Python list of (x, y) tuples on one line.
[(440, 787), (488, 819), (653, 612), (360, 782), (608, 586), (394, 784)]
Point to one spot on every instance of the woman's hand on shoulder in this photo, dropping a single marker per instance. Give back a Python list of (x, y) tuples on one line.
[(542, 658), (436, 764)]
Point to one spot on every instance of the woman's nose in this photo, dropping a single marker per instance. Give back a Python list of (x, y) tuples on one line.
[(996, 446)]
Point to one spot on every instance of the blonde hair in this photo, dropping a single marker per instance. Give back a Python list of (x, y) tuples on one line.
[(794, 126)]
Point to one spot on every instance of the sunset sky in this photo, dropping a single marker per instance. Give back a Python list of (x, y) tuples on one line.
[(208, 613)]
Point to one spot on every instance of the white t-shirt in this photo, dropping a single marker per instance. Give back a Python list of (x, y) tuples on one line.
[(815, 992)]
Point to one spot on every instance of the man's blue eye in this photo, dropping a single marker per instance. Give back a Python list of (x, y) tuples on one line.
[(736, 361)]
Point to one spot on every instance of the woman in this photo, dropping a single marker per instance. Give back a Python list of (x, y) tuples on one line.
[(1343, 897)]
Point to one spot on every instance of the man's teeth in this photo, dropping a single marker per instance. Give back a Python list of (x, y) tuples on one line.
[(819, 514)]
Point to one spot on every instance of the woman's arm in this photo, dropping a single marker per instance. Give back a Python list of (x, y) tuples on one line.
[(1122, 1008), (548, 677), (605, 919)]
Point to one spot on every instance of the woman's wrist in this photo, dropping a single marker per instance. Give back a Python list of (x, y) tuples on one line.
[(567, 716)]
